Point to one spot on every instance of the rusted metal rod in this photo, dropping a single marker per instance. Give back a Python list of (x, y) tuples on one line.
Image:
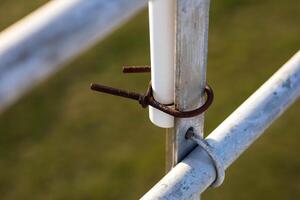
[(115, 91), (136, 69), (147, 99)]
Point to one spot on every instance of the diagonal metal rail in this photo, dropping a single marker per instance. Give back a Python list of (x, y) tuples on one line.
[(230, 139)]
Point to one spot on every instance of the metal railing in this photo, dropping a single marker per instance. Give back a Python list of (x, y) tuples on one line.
[(41, 43), (205, 165), (38, 45)]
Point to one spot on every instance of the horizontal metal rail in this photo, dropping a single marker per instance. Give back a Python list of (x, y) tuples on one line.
[(230, 139), (38, 45)]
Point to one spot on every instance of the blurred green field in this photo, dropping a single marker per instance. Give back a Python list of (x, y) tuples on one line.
[(62, 141)]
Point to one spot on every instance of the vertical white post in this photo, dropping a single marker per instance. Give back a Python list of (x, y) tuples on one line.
[(161, 21), (178, 36)]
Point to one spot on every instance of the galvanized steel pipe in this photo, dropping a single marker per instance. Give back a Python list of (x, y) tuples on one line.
[(38, 45), (230, 139)]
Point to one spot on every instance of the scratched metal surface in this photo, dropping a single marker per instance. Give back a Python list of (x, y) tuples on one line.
[(190, 72), (256, 114), (230, 139)]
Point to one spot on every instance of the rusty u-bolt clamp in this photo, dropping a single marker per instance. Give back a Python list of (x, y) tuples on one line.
[(148, 99)]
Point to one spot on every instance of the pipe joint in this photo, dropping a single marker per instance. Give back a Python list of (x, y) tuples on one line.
[(218, 164)]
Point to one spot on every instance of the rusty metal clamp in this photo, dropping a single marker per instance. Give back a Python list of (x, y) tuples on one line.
[(148, 99)]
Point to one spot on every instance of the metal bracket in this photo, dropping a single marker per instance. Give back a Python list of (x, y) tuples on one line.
[(148, 99), (220, 170)]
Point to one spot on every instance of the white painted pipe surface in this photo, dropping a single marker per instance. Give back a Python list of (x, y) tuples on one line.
[(38, 45), (162, 33), (230, 139)]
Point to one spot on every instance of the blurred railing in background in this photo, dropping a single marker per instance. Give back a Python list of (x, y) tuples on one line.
[(38, 45)]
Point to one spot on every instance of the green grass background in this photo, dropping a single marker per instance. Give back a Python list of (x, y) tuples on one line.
[(62, 141)]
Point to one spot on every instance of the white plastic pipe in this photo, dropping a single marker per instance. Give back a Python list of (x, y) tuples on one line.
[(162, 34)]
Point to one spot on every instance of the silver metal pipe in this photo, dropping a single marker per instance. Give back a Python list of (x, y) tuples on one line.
[(38, 45), (197, 171), (191, 30)]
